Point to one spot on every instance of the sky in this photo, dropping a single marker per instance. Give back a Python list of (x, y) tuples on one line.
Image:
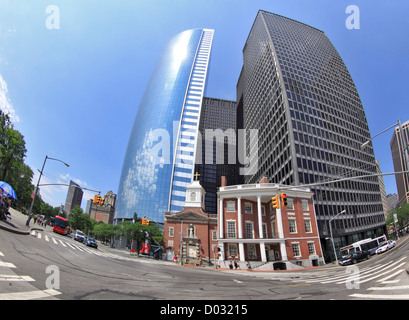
[(72, 73)]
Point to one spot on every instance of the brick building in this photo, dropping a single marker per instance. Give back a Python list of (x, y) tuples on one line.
[(191, 234), (247, 228), (250, 229)]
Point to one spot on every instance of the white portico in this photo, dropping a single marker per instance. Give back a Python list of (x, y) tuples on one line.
[(250, 229)]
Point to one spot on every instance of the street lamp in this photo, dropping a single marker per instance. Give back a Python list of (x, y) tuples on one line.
[(36, 189), (403, 141), (332, 238)]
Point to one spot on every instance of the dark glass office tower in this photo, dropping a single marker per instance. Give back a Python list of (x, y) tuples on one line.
[(159, 160), (216, 154), (295, 89)]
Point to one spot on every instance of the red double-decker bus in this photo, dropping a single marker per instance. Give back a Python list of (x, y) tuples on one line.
[(61, 225)]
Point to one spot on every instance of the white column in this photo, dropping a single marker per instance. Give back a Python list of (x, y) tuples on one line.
[(260, 219), (280, 230), (221, 219), (279, 222), (241, 251), (283, 252), (263, 252), (239, 218)]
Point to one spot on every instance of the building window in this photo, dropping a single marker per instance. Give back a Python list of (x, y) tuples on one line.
[(305, 205), (296, 249), (233, 250), (170, 243), (249, 230), (231, 229), (311, 248), (263, 210), (231, 206), (265, 236), (171, 232), (293, 226), (274, 229), (290, 204), (214, 235), (307, 224), (251, 251), (248, 208)]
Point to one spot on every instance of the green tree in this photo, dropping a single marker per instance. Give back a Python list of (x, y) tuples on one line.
[(80, 220), (12, 148)]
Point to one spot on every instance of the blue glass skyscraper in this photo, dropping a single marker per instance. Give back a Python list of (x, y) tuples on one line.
[(159, 161)]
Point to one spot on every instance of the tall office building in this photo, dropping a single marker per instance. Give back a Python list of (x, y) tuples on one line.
[(295, 89), (399, 148), (218, 127), (159, 161), (74, 197)]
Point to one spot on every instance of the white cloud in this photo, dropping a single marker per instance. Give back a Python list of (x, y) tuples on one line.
[(5, 103)]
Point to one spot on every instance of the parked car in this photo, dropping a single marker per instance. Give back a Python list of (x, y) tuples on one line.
[(79, 236), (90, 242), (383, 247), (354, 258)]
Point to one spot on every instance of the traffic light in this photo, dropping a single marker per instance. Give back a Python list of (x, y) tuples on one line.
[(145, 222), (284, 199), (101, 201), (96, 199), (276, 203)]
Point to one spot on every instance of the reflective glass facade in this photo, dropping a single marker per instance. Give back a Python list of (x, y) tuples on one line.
[(159, 160), (295, 89)]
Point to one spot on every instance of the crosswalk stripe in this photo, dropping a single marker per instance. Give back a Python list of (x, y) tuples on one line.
[(393, 274), (380, 296), (80, 249), (63, 244), (70, 245), (46, 238), (7, 264), (343, 276), (376, 275), (1, 254), (55, 241), (5, 277), (29, 295)]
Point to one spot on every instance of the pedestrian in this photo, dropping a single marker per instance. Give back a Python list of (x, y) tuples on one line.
[(231, 265), (236, 265), (248, 266), (175, 258)]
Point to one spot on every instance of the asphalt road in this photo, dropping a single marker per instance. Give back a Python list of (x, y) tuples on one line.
[(44, 265)]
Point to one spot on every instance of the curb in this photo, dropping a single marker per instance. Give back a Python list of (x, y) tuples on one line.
[(14, 230)]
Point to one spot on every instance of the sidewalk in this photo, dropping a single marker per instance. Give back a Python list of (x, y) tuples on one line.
[(17, 223)]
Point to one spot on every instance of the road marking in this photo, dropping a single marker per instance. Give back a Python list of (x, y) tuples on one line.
[(70, 245), (1, 254), (4, 277), (376, 275), (389, 288), (78, 248), (299, 285), (237, 281), (393, 274), (29, 295), (55, 241), (46, 238), (63, 244), (381, 296), (7, 264)]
